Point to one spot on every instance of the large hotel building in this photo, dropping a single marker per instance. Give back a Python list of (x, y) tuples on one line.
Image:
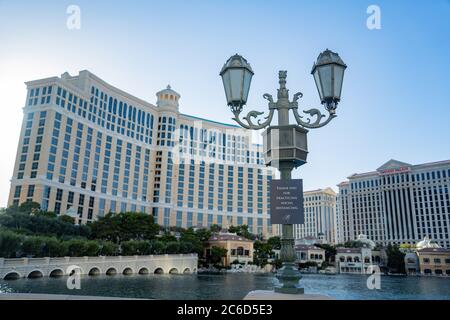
[(321, 219), (398, 203), (89, 146)]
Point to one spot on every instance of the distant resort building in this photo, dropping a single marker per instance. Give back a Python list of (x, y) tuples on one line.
[(358, 260), (433, 259), (412, 266), (239, 249), (353, 260), (310, 240), (309, 253), (320, 216), (398, 203)]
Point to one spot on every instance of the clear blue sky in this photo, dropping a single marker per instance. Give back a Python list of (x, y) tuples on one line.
[(394, 104)]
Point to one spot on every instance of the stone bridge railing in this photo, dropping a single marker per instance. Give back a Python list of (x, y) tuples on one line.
[(111, 265)]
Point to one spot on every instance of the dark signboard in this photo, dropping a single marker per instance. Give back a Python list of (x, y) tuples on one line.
[(286, 202)]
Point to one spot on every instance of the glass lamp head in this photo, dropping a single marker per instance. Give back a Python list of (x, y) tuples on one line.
[(328, 72), (236, 76)]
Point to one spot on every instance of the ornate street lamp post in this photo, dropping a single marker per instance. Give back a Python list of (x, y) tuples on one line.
[(285, 145)]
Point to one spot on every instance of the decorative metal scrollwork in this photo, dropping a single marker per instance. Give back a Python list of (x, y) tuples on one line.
[(256, 114), (312, 113), (307, 122)]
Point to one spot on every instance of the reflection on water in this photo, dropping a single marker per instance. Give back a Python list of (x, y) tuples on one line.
[(233, 286)]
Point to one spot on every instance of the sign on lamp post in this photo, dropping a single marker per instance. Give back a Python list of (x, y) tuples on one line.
[(286, 201)]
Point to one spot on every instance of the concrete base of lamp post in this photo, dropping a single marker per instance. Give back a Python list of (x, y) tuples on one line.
[(272, 295)]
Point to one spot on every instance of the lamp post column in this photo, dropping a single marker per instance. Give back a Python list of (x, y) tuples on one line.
[(288, 275)]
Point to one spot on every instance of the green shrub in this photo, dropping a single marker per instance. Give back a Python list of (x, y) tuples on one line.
[(129, 248), (136, 247), (143, 247), (91, 248), (186, 247), (76, 247), (66, 219), (54, 248), (33, 246), (157, 247), (109, 249), (172, 247), (10, 243)]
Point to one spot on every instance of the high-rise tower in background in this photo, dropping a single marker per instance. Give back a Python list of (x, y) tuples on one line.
[(398, 203), (320, 216)]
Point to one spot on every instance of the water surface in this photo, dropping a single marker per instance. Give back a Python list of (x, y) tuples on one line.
[(234, 286)]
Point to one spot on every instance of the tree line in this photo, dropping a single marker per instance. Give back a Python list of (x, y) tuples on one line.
[(27, 231)]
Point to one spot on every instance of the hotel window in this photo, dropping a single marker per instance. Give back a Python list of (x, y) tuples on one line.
[(126, 176), (90, 213), (57, 207), (96, 161), (179, 222), (250, 191), (59, 195), (87, 155), (76, 156), (259, 231), (250, 225), (191, 184), (210, 220), (219, 220), (201, 185), (189, 220), (168, 193), (101, 207), (17, 191), (81, 200), (166, 217), (211, 187), (260, 191), (45, 198), (118, 155), (113, 206), (70, 198), (106, 163), (146, 173), (180, 183), (26, 141), (65, 151), (137, 166), (199, 219), (230, 189)]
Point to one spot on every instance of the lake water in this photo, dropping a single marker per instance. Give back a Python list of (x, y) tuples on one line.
[(234, 286)]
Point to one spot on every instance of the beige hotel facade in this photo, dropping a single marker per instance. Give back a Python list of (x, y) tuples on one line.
[(321, 217), (87, 145)]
